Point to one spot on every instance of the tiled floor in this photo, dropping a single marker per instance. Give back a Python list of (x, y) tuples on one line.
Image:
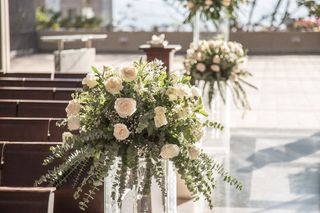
[(275, 148)]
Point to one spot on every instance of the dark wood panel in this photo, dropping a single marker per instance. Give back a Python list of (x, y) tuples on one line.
[(22, 166), (39, 93), (30, 129), (40, 82), (16, 200), (44, 75)]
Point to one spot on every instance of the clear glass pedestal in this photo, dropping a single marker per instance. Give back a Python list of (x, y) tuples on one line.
[(134, 202), (214, 140)]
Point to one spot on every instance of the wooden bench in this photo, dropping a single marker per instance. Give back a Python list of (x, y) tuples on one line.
[(26, 199), (23, 165), (30, 129), (36, 93), (33, 108), (44, 75), (40, 82)]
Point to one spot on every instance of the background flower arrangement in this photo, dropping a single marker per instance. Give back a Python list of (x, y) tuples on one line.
[(210, 9), (128, 114), (220, 65)]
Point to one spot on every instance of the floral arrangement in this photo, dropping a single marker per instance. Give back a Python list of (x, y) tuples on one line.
[(210, 9), (305, 25), (220, 65), (132, 113)]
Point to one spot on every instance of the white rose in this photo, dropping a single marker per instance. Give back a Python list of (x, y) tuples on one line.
[(208, 2), (120, 131), (160, 120), (125, 107), (195, 92), (226, 3), (129, 73), (235, 69), (66, 136), (73, 122), (215, 68), (216, 59), (169, 151), (113, 85), (199, 56), (194, 152), (171, 93), (90, 80), (160, 110), (73, 108), (201, 67), (182, 91), (190, 4)]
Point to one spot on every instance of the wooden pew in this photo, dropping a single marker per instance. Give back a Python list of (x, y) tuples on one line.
[(44, 75), (23, 165), (30, 129), (26, 199), (40, 82), (36, 93), (33, 108)]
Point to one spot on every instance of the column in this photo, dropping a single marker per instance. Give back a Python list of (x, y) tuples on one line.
[(4, 36)]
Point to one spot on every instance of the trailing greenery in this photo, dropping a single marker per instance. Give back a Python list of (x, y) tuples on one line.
[(219, 65), (125, 115)]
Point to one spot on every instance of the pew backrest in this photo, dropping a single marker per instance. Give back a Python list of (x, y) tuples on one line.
[(39, 93), (40, 82), (32, 108), (30, 129)]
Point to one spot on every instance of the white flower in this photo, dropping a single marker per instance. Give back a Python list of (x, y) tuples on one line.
[(73, 107), (216, 59), (171, 93), (215, 68), (66, 136), (226, 3), (125, 107), (194, 152), (129, 73), (113, 85), (199, 56), (195, 92), (160, 120), (208, 2), (190, 4), (182, 90), (169, 151), (201, 67), (120, 131), (160, 110), (182, 112), (90, 80), (73, 122)]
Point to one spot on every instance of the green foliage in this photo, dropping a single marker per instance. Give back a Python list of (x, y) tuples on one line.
[(48, 19)]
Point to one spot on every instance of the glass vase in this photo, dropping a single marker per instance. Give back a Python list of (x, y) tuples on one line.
[(210, 30), (133, 201), (216, 141)]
